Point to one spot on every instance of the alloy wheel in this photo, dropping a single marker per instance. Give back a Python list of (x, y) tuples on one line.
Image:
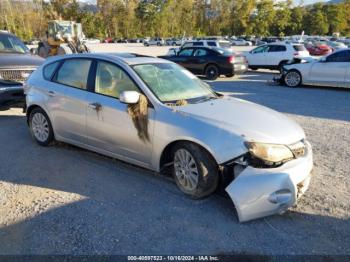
[(292, 79), (186, 169), (40, 127)]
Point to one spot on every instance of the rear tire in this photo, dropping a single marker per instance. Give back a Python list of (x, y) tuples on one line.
[(212, 72), (40, 127), (194, 170)]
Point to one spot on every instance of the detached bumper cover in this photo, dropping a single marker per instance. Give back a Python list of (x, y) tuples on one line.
[(260, 192), (11, 96)]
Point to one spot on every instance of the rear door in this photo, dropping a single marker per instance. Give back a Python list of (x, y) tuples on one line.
[(331, 71), (73, 74), (110, 128)]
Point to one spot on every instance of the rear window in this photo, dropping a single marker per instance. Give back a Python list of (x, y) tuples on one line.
[(299, 48)]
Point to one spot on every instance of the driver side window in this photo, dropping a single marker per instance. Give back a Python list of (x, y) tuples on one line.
[(112, 80), (186, 52), (260, 49)]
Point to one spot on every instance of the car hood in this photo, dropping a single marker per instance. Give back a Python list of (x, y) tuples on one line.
[(13, 60), (250, 121)]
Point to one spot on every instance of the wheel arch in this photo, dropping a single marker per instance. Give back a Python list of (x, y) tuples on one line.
[(166, 156), (31, 108)]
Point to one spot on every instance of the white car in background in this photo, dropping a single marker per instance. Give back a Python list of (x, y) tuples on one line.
[(332, 70), (275, 55), (154, 41), (92, 41), (241, 42), (205, 43)]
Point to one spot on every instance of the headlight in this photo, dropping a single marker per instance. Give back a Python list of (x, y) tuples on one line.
[(272, 153)]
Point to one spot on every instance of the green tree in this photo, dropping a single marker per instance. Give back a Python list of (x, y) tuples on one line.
[(263, 18)]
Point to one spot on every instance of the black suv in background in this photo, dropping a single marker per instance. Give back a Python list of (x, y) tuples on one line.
[(16, 64)]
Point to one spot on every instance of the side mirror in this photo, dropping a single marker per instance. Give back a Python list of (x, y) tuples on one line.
[(129, 97)]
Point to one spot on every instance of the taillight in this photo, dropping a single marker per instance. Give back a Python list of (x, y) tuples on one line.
[(231, 59)]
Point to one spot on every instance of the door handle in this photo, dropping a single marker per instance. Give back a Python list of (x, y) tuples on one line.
[(96, 106), (51, 93)]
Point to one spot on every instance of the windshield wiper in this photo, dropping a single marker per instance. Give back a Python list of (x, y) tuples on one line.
[(207, 98)]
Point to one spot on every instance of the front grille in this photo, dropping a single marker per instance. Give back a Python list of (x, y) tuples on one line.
[(298, 149), (15, 75)]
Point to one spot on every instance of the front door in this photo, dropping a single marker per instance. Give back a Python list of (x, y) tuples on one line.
[(183, 58), (330, 71), (257, 57), (198, 60), (109, 125)]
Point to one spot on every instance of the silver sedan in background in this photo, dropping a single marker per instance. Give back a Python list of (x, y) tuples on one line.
[(155, 114), (332, 70)]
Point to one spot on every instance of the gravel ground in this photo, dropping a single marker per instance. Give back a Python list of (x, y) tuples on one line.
[(65, 200)]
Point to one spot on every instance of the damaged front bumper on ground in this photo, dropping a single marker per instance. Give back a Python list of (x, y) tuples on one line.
[(259, 192)]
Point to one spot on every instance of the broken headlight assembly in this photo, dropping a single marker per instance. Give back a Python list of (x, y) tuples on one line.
[(267, 155)]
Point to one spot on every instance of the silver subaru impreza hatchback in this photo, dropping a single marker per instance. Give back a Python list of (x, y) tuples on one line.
[(156, 114)]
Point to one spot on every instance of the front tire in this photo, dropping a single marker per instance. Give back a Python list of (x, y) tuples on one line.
[(194, 170), (212, 72), (230, 75), (292, 78), (40, 127)]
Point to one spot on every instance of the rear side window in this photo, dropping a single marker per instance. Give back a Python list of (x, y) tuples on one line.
[(211, 43), (49, 70), (277, 48), (299, 48), (198, 43), (74, 72)]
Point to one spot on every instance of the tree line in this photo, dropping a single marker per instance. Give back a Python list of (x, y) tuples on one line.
[(167, 18)]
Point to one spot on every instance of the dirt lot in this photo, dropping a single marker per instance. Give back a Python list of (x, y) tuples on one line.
[(64, 200)]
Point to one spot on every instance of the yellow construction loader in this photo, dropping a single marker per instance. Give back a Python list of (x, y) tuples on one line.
[(62, 37)]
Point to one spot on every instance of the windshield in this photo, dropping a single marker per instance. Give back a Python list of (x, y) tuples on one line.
[(172, 83), (11, 44), (65, 28)]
